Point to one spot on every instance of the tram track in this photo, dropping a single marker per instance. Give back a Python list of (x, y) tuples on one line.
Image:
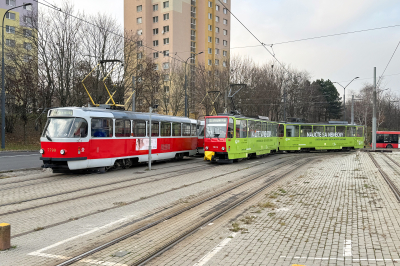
[(197, 222), (152, 195), (385, 176), (76, 175)]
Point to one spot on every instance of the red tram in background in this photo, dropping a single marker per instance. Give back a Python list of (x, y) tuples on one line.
[(77, 138), (387, 139)]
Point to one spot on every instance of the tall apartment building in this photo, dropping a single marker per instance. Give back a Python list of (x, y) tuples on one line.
[(181, 28)]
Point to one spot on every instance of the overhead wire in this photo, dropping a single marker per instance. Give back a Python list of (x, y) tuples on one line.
[(388, 63)]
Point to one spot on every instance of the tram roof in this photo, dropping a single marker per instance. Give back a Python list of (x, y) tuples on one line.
[(122, 114), (330, 123)]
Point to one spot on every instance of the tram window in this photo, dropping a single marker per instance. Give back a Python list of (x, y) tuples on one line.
[(139, 129), (252, 128), (274, 130), (281, 130), (194, 130), (305, 131), (264, 129), (330, 130), (122, 128), (258, 129), (351, 132), (340, 131), (318, 130), (102, 127), (66, 128), (241, 128), (176, 129), (185, 130), (165, 129), (230, 128), (200, 131), (292, 131), (360, 132), (155, 129)]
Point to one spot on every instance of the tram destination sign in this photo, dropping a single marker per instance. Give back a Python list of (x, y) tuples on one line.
[(61, 112)]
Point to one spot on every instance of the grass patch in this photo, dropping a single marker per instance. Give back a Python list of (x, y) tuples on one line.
[(120, 203), (271, 214), (266, 205), (248, 219), (21, 147), (4, 177), (38, 228), (282, 190), (273, 196)]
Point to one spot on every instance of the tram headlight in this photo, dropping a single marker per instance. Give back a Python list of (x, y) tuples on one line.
[(223, 148), (41, 151), (206, 148), (62, 152)]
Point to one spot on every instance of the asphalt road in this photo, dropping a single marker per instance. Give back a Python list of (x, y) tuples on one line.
[(19, 160)]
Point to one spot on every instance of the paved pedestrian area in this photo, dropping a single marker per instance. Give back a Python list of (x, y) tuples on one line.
[(340, 211)]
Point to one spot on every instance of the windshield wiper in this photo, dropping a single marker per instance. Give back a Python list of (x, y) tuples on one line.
[(48, 137)]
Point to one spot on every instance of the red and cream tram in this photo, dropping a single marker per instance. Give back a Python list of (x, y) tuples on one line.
[(82, 138), (200, 137)]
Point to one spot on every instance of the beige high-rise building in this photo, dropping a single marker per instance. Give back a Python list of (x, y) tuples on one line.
[(181, 28)]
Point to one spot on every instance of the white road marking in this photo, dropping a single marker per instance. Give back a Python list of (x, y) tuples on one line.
[(19, 156), (347, 248), (41, 254), (214, 251), (254, 162), (312, 258)]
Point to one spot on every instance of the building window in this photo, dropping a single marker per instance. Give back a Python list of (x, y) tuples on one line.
[(210, 50), (216, 62), (209, 4), (209, 16), (217, 30), (166, 40), (166, 16), (217, 19), (27, 33), (225, 43), (225, 11), (225, 53), (209, 39), (155, 43), (165, 29), (225, 1), (217, 7), (140, 43), (27, 19), (209, 27), (155, 55), (155, 31), (10, 2), (155, 7), (166, 89), (10, 43), (10, 29), (29, 8), (216, 40), (139, 8), (27, 58), (140, 32), (225, 21), (139, 55), (140, 67), (166, 4), (27, 46), (224, 63), (155, 19), (166, 77), (216, 51), (166, 53), (10, 15), (155, 67), (225, 32), (166, 65), (209, 62), (139, 20)]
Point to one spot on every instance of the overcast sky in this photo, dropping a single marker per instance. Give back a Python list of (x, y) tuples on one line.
[(339, 58)]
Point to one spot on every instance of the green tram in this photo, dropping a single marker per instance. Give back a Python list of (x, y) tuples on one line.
[(309, 137), (228, 138)]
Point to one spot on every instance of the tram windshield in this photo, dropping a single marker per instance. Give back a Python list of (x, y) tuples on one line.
[(61, 127), (216, 127)]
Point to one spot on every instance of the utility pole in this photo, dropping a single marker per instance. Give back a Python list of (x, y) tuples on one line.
[(133, 95), (150, 110), (352, 109), (374, 113), (284, 103)]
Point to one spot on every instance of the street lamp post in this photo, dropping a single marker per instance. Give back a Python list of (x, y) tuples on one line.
[(3, 91), (344, 95), (186, 104)]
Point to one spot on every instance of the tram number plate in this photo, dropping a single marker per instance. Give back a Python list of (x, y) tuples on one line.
[(51, 150)]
